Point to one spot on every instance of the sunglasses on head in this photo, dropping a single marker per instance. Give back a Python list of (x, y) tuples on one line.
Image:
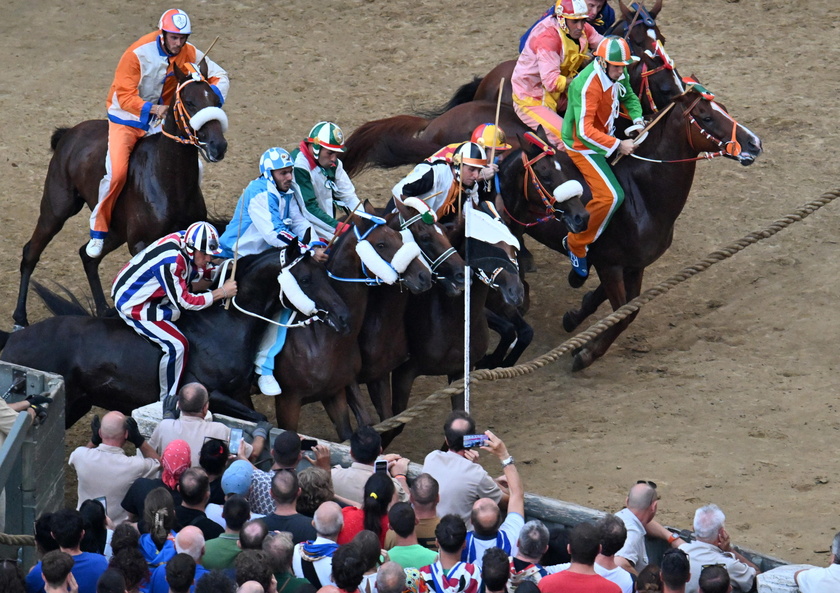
[(650, 483)]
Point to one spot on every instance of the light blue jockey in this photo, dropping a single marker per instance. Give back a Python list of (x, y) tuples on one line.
[(267, 215)]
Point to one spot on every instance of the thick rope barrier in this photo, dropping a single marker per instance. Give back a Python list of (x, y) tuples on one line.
[(16, 540), (615, 317)]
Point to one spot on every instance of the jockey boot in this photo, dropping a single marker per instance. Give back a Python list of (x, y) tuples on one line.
[(268, 385), (94, 248), (580, 267)]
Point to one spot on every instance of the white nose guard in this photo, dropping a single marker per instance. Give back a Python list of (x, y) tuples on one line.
[(568, 190), (374, 262), (290, 288), (209, 114)]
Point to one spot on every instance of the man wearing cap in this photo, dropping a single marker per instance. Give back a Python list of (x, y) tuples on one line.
[(137, 103), (268, 215), (320, 182), (236, 481)]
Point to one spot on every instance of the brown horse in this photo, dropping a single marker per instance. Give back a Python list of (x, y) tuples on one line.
[(161, 195), (316, 364)]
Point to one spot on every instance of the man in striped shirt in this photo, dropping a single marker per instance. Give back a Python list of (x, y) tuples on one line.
[(152, 289)]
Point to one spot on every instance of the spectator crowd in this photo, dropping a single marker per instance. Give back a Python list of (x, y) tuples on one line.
[(186, 515)]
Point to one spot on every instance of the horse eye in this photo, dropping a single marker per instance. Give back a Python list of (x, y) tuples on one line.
[(425, 238), (305, 281), (380, 245), (190, 104), (707, 119)]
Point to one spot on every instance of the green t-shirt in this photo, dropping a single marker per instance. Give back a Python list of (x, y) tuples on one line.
[(413, 556), (219, 553)]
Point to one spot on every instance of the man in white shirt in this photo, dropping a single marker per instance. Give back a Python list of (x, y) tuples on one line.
[(814, 580), (313, 560), (613, 535), (103, 468)]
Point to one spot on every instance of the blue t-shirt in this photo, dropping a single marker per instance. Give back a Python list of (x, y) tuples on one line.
[(87, 568), (158, 583)]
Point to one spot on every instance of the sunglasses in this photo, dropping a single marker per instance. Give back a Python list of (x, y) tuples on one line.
[(650, 483)]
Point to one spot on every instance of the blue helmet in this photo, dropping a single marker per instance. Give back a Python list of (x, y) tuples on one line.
[(273, 159)]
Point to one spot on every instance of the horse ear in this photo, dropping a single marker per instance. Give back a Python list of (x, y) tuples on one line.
[(542, 135), (307, 236), (401, 208), (179, 74), (654, 12), (628, 14), (292, 251), (369, 207), (527, 147), (202, 67)]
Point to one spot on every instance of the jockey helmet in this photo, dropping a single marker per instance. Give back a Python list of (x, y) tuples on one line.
[(469, 154), (328, 135), (614, 50), (202, 236), (488, 135), (571, 9), (273, 159), (176, 21)]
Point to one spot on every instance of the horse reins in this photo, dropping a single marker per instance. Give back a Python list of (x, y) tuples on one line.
[(182, 118), (433, 264)]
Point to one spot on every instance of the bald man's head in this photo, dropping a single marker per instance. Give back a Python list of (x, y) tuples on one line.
[(328, 520), (113, 427), (485, 517), (190, 540)]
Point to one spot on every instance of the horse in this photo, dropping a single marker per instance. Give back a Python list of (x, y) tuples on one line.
[(106, 363), (317, 365), (161, 194)]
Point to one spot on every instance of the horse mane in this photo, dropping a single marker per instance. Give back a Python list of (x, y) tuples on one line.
[(464, 94), (56, 137), (387, 143)]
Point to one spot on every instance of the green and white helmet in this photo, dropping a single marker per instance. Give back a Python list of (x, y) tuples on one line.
[(328, 135)]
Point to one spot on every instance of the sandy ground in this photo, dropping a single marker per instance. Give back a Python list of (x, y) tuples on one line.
[(722, 391)]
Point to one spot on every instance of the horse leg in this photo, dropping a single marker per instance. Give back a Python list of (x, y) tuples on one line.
[(339, 412), (91, 266), (287, 409), (591, 301), (524, 336), (402, 379), (621, 286), (353, 394), (507, 337), (224, 404)]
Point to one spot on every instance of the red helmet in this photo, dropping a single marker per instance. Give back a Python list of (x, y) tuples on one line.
[(487, 135), (176, 21), (571, 9)]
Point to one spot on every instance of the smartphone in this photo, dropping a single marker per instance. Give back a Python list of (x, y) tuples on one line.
[(471, 441), (308, 444), (381, 465), (104, 502), (235, 439)]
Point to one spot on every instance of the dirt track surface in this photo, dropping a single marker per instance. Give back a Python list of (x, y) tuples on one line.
[(722, 391)]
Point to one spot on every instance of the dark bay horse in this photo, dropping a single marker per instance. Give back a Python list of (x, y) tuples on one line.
[(106, 363), (161, 195), (316, 364)]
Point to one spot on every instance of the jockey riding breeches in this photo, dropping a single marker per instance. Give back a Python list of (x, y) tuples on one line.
[(121, 141), (607, 196), (174, 345), (534, 114), (271, 344)]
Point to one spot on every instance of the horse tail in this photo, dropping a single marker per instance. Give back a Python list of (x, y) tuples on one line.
[(4, 337), (62, 305), (387, 143), (56, 137), (464, 94)]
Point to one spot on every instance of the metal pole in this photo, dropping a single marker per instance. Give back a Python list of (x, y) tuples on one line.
[(467, 297)]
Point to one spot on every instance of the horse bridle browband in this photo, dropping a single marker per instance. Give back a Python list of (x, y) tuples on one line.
[(434, 264)]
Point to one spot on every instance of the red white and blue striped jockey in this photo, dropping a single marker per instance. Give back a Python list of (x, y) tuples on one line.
[(170, 275)]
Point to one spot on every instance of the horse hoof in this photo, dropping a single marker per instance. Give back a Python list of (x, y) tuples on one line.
[(17, 328), (582, 359), (569, 323), (576, 280)]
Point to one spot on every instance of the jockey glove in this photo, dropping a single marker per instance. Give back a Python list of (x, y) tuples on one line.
[(40, 413), (39, 400), (134, 435), (170, 407), (94, 431)]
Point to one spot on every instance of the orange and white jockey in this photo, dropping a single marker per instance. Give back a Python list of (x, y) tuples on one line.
[(137, 103), (556, 50)]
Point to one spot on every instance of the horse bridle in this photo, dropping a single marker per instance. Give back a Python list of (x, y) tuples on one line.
[(182, 118), (433, 264)]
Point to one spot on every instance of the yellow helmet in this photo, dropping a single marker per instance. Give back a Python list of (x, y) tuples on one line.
[(571, 9), (487, 135)]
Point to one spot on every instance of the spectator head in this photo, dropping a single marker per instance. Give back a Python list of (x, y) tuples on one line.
[(643, 500), (44, 541), (365, 445), (111, 581), (11, 578), (495, 570), (93, 518), (613, 534), (378, 496), (328, 520), (315, 488), (180, 573), (125, 536), (132, 566), (348, 568), (648, 579), (192, 398), (213, 456), (174, 461), (253, 565), (250, 587), (533, 540), (67, 527), (237, 478), (485, 517), (190, 541), (425, 492), (194, 487), (367, 546), (458, 424), (112, 429), (285, 487), (252, 535), (55, 567), (835, 549), (714, 579), (215, 581), (279, 547), (558, 546), (402, 519), (390, 578), (451, 533), (708, 521), (235, 512), (286, 449), (584, 543), (159, 514), (676, 568)]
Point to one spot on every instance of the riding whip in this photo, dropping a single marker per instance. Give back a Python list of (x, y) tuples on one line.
[(335, 235), (209, 48), (645, 130), (235, 245), (496, 123)]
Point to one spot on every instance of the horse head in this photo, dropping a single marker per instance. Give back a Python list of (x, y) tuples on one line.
[(418, 223), (195, 115), (710, 128), (305, 287), (544, 161)]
